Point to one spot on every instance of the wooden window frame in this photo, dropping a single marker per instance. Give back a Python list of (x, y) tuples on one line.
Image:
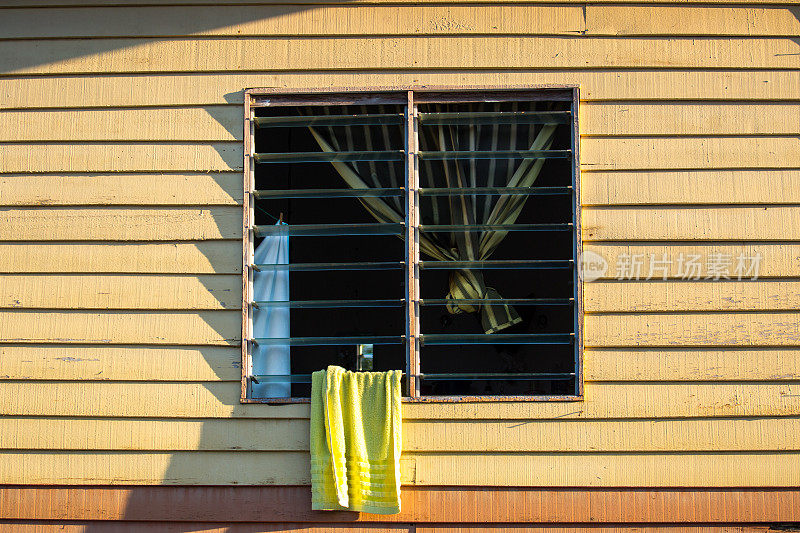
[(410, 96)]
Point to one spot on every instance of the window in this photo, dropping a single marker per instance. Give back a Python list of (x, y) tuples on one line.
[(433, 231)]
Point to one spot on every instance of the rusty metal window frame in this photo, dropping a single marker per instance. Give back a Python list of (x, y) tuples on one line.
[(411, 97)]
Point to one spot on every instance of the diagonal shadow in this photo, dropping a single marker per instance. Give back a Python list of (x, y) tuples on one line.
[(32, 41), (27, 49)]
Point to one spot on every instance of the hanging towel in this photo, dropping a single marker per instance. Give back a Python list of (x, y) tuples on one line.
[(272, 321), (355, 440)]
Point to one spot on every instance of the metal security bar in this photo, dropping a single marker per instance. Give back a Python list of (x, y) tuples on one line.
[(448, 376), (328, 304), (311, 267), (329, 157), (497, 338), (495, 154), (495, 117), (330, 230), (510, 376), (329, 341), (451, 228), (495, 301), (510, 264), (279, 194), (330, 120), (490, 191)]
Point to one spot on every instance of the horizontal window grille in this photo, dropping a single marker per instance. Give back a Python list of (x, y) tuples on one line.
[(437, 237)]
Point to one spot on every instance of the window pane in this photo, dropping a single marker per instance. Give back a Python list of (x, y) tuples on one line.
[(346, 279), (485, 345)]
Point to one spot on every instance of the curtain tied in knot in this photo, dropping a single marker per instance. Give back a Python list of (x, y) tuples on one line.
[(469, 285)]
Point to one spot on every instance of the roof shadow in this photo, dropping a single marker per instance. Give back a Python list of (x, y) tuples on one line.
[(32, 41)]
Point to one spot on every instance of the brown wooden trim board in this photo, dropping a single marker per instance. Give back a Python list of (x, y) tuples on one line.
[(27, 526), (454, 505)]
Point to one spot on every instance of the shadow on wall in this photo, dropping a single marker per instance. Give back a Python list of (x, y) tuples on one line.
[(37, 38), (68, 37)]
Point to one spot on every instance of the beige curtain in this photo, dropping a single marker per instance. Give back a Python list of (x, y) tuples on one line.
[(463, 209)]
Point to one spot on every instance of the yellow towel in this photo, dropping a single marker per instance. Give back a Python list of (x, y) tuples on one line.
[(355, 440)]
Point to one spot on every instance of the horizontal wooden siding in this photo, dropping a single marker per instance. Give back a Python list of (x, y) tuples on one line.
[(120, 187)]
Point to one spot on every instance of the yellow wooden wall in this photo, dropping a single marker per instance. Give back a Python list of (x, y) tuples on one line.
[(120, 186)]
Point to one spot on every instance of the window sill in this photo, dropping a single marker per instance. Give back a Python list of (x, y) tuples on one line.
[(436, 399)]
